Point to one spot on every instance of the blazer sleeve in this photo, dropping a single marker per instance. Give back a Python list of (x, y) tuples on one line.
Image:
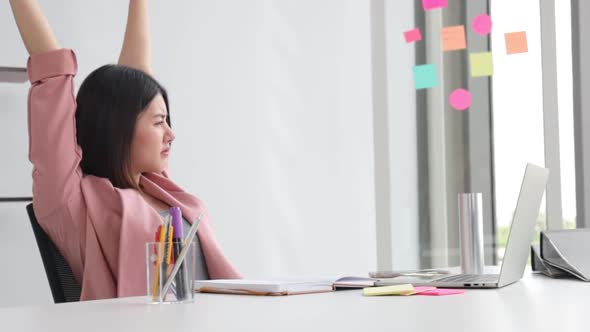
[(52, 130)]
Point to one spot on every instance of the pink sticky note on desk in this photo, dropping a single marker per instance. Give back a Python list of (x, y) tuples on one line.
[(433, 4), (413, 35), (442, 291), (421, 289)]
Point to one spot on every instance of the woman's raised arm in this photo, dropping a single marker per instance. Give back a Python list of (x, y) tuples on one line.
[(51, 106), (33, 26), (136, 50)]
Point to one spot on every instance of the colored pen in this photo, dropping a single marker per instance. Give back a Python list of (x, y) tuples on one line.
[(165, 248), (180, 279), (186, 244), (169, 245), (155, 293), (156, 240)]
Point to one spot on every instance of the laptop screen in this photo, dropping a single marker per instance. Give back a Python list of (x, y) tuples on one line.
[(523, 223)]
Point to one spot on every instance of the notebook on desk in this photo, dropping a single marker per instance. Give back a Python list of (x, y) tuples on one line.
[(280, 287)]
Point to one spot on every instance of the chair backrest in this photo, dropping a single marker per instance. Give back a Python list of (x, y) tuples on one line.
[(64, 286)]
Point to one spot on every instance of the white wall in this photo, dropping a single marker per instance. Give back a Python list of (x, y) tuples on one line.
[(271, 104), (22, 275)]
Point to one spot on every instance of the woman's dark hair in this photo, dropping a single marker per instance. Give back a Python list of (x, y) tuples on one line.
[(109, 102)]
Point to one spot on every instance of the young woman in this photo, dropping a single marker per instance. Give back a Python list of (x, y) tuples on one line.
[(100, 182)]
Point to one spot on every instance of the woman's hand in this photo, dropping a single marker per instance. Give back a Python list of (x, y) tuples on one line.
[(33, 26), (136, 50)]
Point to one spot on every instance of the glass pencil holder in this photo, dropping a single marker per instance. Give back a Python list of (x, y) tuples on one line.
[(167, 281)]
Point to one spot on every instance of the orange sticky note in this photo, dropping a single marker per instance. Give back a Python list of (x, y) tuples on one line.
[(453, 38), (516, 42)]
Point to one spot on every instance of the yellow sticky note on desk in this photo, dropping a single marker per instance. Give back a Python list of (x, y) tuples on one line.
[(404, 289)]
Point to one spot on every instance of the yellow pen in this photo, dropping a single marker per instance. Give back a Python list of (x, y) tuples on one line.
[(155, 293), (169, 245)]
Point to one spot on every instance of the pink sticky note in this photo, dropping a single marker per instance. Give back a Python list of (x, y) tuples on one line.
[(460, 99), (422, 289), (482, 24), (434, 4), (442, 292), (413, 35)]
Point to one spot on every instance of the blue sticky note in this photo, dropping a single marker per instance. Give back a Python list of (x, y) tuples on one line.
[(425, 76)]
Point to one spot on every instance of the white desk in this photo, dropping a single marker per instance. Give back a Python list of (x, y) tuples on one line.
[(536, 303)]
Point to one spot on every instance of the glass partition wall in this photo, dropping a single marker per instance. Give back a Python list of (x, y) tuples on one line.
[(460, 105)]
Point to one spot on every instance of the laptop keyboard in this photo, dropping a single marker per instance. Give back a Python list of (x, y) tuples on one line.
[(470, 278)]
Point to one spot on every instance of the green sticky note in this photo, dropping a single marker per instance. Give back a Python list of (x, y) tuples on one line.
[(404, 289), (481, 64), (425, 76)]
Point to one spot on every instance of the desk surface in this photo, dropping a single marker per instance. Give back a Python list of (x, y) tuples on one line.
[(536, 303)]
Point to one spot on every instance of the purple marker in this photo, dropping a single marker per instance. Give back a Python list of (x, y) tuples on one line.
[(177, 222), (177, 238)]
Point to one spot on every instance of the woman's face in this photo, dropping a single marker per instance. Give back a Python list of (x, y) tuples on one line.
[(151, 140)]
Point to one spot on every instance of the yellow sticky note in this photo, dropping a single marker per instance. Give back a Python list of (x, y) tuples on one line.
[(481, 64), (389, 290), (516, 42), (453, 38)]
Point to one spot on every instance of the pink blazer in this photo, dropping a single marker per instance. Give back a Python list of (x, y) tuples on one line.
[(100, 230)]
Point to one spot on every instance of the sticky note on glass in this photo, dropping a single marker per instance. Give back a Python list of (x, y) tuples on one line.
[(425, 76), (516, 42), (388, 290), (433, 4), (481, 64), (453, 38), (482, 24), (460, 99), (413, 35)]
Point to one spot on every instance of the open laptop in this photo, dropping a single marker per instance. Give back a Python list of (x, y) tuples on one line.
[(517, 247)]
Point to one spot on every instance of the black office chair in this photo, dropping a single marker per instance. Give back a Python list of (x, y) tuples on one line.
[(64, 286)]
